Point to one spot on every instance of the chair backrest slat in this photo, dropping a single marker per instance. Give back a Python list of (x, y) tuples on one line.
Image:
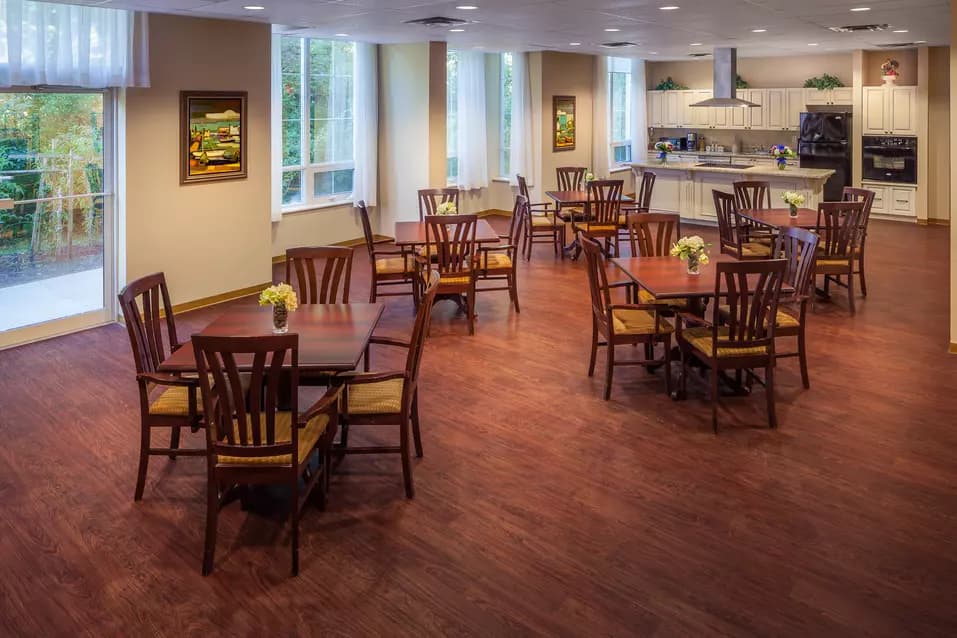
[(839, 225), (752, 194), (604, 200), (728, 223), (431, 198), (323, 273), (597, 277), (798, 247), (523, 187), (652, 234), (366, 229), (643, 200), (850, 194), (420, 329), (451, 238), (142, 302), (518, 221), (752, 291), (570, 178)]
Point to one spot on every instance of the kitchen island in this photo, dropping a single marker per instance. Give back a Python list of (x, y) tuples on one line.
[(685, 187)]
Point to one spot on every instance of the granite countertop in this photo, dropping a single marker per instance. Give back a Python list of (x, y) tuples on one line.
[(769, 171)]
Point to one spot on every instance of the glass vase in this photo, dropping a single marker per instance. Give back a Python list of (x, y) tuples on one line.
[(782, 163), (662, 157), (280, 319), (792, 210), (693, 265)]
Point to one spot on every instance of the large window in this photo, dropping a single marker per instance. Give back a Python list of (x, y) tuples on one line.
[(452, 117), (317, 120), (505, 125), (619, 101)]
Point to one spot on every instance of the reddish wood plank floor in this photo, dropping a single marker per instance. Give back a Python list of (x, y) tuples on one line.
[(540, 508)]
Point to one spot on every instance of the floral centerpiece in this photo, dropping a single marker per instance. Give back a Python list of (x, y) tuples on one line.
[(446, 208), (663, 149), (283, 300), (693, 249), (890, 70), (781, 153), (793, 200), (588, 179)]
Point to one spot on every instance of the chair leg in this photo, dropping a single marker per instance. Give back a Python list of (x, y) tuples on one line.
[(294, 515), (609, 367), (372, 290), (416, 434), (860, 266), (684, 374), (769, 391), (212, 514), (513, 290), (850, 292), (344, 434), (470, 307), (406, 461), (714, 399), (365, 358), (173, 441), (667, 344), (649, 354), (802, 357), (144, 462), (594, 347)]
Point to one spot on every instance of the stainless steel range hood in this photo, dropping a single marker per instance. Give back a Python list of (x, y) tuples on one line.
[(725, 81)]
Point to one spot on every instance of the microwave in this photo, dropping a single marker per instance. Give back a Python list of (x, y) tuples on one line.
[(889, 159)]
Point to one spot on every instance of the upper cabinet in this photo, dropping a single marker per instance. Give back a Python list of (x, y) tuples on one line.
[(826, 97), (889, 110), (778, 110)]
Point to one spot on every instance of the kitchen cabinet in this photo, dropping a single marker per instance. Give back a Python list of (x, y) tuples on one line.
[(750, 118), (702, 116), (777, 109), (795, 106), (656, 109), (889, 110), (843, 95), (671, 114), (893, 199)]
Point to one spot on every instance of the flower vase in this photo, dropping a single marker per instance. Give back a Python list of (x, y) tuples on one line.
[(792, 210), (662, 157), (782, 163), (280, 319), (890, 80), (693, 265)]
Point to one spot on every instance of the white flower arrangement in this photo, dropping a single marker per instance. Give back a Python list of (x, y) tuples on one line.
[(446, 208), (792, 199), (664, 147), (279, 295), (691, 247), (781, 151), (589, 177)]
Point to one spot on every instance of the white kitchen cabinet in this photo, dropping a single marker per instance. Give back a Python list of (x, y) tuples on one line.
[(656, 109), (671, 117), (776, 109), (890, 110), (843, 95), (892, 199), (719, 117), (686, 118), (702, 116), (749, 118), (795, 106)]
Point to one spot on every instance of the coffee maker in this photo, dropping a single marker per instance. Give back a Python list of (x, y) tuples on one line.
[(692, 141)]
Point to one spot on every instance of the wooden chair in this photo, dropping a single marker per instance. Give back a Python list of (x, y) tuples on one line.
[(746, 340), (451, 238), (571, 178), (177, 405), (322, 273), (753, 195), (499, 262), (730, 232), (642, 202), (541, 224), (391, 398), (867, 197), (652, 235), (604, 204), (388, 267), (621, 324), (838, 226), (430, 198), (250, 440)]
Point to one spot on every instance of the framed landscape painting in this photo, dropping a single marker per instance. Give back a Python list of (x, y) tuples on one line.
[(212, 135), (563, 110)]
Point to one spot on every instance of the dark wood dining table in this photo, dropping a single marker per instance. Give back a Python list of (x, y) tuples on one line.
[(574, 198), (413, 233), (781, 217), (332, 337)]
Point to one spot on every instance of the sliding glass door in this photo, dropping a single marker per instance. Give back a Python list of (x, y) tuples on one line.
[(56, 213)]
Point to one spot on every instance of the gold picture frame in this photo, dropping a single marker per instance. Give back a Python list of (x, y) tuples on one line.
[(212, 136), (563, 118)]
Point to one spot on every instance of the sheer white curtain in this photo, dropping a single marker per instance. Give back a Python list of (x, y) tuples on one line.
[(521, 159), (639, 106), (365, 122), (67, 45), (601, 145), (472, 144)]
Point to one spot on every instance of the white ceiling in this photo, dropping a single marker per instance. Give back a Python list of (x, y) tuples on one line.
[(791, 25)]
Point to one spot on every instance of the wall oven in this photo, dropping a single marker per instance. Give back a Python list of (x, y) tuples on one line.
[(890, 159)]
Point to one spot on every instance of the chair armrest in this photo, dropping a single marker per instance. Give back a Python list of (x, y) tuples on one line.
[(167, 379), (497, 247), (360, 378), (636, 306), (328, 400), (389, 341), (376, 252), (684, 316), (545, 205)]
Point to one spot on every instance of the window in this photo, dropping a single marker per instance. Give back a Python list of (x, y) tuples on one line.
[(452, 117), (317, 156), (619, 101), (505, 125)]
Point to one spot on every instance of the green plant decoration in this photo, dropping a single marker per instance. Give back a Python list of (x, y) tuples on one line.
[(669, 84), (741, 83), (823, 82)]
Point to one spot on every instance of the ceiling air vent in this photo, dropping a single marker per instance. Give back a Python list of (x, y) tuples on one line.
[(898, 45), (698, 55), (437, 21), (618, 45), (857, 28)]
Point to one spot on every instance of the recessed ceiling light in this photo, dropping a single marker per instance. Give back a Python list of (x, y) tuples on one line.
[(861, 9), (456, 30), (669, 8), (758, 30), (653, 52), (253, 7), (900, 30), (574, 44), (342, 35), (612, 29), (695, 44), (466, 7), (920, 41), (812, 44)]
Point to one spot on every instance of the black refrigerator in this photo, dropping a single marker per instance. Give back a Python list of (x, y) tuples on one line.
[(824, 142)]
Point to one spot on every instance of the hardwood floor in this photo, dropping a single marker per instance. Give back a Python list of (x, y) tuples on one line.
[(540, 509)]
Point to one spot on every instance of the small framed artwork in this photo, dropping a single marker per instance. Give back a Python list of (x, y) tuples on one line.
[(212, 136), (563, 114)]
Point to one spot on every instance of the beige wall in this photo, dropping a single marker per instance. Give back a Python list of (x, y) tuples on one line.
[(907, 58), (208, 238), (566, 74), (938, 140), (781, 72)]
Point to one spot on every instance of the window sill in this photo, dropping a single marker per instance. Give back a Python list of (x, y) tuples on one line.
[(304, 208), (618, 169), (501, 180)]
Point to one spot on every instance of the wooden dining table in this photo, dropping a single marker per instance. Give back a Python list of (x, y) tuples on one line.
[(413, 233), (332, 337), (781, 217)]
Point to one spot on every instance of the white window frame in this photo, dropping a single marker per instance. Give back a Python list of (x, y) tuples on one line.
[(308, 170), (504, 150), (619, 66)]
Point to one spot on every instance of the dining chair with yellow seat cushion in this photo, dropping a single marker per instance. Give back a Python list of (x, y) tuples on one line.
[(249, 441), (450, 241), (642, 203), (743, 338), (604, 205), (732, 231), (839, 232), (395, 265), (174, 401), (542, 225), (622, 324), (390, 398), (388, 268), (652, 235)]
